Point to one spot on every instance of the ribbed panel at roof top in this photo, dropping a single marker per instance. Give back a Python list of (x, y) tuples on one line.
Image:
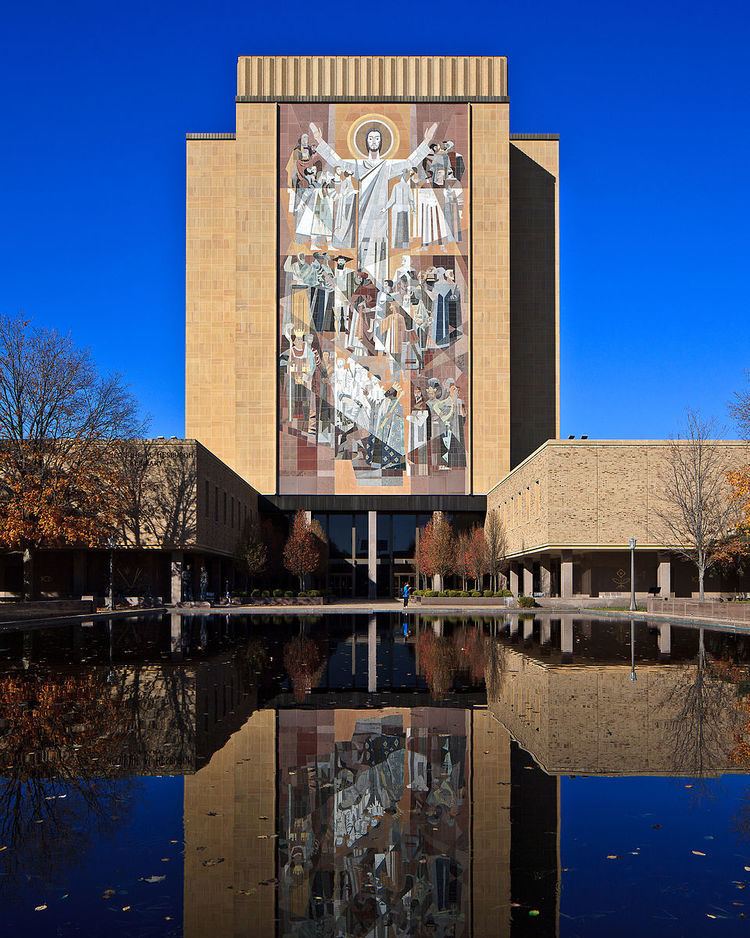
[(372, 77)]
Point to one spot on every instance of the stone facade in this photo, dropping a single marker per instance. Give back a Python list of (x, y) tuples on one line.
[(590, 494), (234, 346)]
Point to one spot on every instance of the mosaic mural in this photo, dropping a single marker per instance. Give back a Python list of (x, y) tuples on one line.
[(374, 302), (376, 823)]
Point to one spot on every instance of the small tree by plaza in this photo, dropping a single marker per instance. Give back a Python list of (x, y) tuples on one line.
[(476, 555), (497, 546), (437, 546), (59, 485), (304, 548), (698, 512), (252, 552), (461, 561)]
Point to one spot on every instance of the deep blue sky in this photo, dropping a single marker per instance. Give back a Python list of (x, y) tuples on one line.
[(651, 101)]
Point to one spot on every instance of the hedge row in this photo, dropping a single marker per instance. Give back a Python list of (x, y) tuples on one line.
[(456, 594)]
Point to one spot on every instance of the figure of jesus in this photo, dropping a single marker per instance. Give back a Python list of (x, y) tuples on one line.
[(373, 175)]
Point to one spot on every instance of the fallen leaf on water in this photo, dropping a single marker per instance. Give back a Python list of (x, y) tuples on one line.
[(153, 879), (747, 868), (40, 908), (612, 856), (126, 908), (4, 847), (533, 912), (708, 915), (108, 893), (698, 853), (688, 786), (165, 859)]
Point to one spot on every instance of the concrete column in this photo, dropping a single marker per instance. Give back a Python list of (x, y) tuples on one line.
[(176, 577), (545, 576), (175, 635), (528, 578), (528, 630), (513, 626), (566, 575), (513, 579), (372, 554), (665, 642), (545, 631), (664, 574), (79, 573), (566, 637), (372, 653), (587, 577)]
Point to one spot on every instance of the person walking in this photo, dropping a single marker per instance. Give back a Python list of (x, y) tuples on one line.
[(405, 593)]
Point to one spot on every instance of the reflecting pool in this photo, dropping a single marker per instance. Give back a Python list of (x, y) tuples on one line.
[(374, 776)]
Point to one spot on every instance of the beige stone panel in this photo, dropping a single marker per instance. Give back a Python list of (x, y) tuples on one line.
[(254, 363), (535, 293), (490, 314), (371, 77), (595, 493), (229, 812), (209, 295), (491, 790)]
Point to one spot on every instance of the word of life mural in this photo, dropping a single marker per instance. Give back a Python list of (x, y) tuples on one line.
[(374, 305)]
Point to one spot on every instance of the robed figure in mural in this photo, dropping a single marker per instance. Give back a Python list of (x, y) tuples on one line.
[(373, 175)]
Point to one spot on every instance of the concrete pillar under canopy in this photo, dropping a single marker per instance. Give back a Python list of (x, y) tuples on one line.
[(566, 575), (528, 578), (177, 561), (513, 579), (664, 574), (545, 576), (587, 577), (372, 554)]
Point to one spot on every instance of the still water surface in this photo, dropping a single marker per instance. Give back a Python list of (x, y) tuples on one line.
[(373, 776)]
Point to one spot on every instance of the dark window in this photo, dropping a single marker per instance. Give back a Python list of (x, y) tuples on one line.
[(340, 535), (232, 515), (216, 503), (385, 522), (208, 499), (360, 523), (225, 507), (404, 539)]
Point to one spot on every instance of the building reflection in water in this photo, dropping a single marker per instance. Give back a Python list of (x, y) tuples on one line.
[(362, 783)]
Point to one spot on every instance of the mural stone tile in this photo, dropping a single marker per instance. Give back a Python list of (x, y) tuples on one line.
[(374, 311)]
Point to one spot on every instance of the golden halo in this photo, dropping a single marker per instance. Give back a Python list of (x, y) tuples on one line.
[(358, 133)]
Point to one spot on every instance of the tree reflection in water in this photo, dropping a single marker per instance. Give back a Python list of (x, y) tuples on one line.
[(60, 737), (702, 713), (305, 661)]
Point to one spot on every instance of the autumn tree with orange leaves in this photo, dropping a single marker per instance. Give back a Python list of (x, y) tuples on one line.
[(437, 547), (59, 486), (304, 550)]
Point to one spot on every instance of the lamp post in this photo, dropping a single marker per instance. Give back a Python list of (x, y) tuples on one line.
[(111, 597), (633, 675), (632, 543)]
